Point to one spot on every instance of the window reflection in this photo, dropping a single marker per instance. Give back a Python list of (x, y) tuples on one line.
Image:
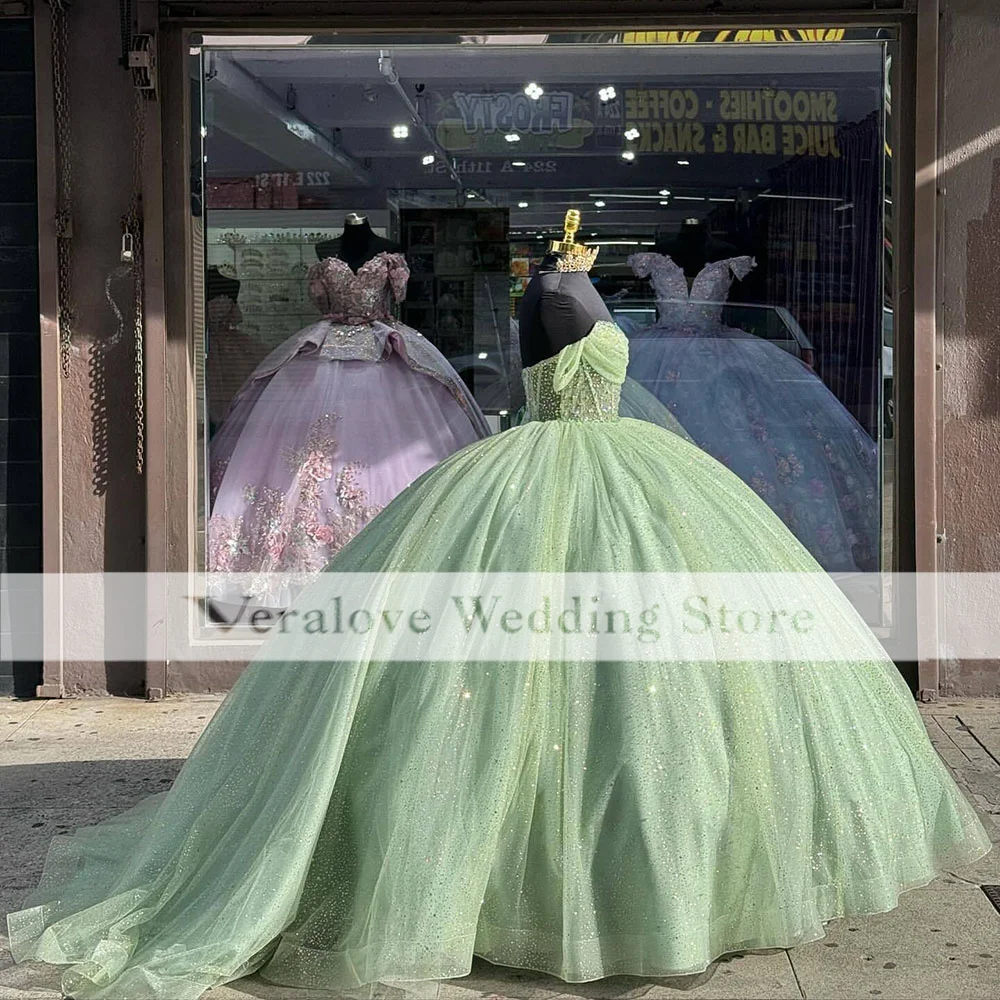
[(736, 193)]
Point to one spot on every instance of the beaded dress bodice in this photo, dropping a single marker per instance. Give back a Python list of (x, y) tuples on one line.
[(353, 302), (357, 325), (699, 308), (362, 296), (583, 382)]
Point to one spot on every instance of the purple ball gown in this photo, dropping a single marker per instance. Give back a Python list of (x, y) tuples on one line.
[(331, 426)]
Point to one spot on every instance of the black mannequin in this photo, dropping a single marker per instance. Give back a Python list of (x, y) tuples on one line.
[(692, 247), (217, 283), (357, 244), (558, 309)]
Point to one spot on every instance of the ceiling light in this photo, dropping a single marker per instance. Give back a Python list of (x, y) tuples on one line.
[(470, 195), (664, 193), (428, 160), (628, 155), (599, 204), (400, 131), (624, 195), (522, 204), (482, 355), (518, 163), (684, 163), (512, 137), (607, 93), (664, 202), (533, 91), (632, 134)]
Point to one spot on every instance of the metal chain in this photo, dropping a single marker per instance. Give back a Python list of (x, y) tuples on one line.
[(64, 171), (108, 345), (132, 234)]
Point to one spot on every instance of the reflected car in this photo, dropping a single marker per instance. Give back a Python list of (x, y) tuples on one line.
[(773, 323)]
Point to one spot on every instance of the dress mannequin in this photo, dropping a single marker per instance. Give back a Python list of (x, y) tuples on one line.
[(218, 283), (357, 244), (692, 247), (560, 306)]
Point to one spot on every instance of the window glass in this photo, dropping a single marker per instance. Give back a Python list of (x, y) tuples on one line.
[(737, 194)]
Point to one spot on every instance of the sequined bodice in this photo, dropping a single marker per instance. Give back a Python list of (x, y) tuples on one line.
[(702, 306), (353, 298), (583, 381)]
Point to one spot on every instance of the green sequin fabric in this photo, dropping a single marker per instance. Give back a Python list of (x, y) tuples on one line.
[(583, 381), (342, 824)]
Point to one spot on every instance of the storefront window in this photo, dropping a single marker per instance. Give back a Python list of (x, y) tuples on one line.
[(737, 194)]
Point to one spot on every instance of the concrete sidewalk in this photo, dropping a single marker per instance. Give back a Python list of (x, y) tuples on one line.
[(71, 763)]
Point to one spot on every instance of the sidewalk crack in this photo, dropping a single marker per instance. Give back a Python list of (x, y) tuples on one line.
[(7, 737)]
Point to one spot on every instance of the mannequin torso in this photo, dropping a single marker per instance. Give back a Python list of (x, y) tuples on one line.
[(357, 244), (558, 309), (693, 247)]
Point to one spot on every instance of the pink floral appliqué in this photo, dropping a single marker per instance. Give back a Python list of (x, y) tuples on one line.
[(293, 534)]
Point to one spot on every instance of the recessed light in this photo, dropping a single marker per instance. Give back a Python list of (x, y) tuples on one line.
[(664, 202), (428, 160), (664, 193), (400, 131), (512, 137), (518, 163), (533, 91), (470, 195), (522, 204), (599, 204), (632, 134), (482, 355), (684, 163), (628, 155)]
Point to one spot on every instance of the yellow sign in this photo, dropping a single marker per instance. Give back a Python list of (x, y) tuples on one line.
[(751, 35), (761, 121)]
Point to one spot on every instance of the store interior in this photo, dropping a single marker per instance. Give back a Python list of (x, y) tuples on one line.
[(466, 156)]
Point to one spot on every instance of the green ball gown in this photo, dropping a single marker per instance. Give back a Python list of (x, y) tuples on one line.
[(341, 824)]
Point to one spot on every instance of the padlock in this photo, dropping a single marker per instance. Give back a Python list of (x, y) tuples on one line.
[(128, 252)]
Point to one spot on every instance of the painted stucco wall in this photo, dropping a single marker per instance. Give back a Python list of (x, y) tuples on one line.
[(103, 495), (969, 315)]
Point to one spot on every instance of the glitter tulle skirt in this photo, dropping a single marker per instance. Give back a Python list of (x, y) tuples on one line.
[(307, 457), (341, 824), (772, 421)]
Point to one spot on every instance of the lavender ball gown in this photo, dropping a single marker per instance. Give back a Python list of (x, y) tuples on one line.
[(331, 426), (760, 411)]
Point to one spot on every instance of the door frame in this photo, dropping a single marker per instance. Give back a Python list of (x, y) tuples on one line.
[(171, 471)]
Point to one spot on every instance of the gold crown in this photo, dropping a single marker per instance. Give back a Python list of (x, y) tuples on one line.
[(573, 256)]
